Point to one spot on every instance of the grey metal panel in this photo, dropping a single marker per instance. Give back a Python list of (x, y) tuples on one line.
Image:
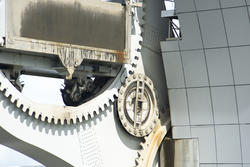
[(169, 45), (184, 6), (206, 5), (212, 29), (237, 35), (84, 25), (173, 69), (232, 3), (179, 153), (191, 38), (207, 142), (168, 13), (178, 107)]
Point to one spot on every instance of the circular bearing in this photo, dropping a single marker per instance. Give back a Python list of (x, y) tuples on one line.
[(137, 105)]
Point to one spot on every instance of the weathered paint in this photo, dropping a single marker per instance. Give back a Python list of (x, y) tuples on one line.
[(74, 23), (73, 30)]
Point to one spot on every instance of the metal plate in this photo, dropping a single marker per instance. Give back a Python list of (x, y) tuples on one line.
[(179, 153), (79, 26)]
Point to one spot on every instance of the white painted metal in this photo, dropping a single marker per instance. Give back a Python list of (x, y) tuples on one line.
[(97, 140), (2, 22), (168, 13), (98, 126)]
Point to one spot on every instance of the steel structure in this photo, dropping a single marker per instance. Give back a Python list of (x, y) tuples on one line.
[(103, 51)]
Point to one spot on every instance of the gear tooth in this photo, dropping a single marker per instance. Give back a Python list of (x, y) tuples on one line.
[(139, 153), (1, 87), (137, 161), (62, 121), (56, 121), (112, 98), (12, 99), (30, 112), (143, 145), (68, 121), (18, 103), (7, 93), (80, 118), (86, 116), (102, 108), (25, 108), (49, 119), (37, 115), (43, 117), (96, 112), (115, 96), (106, 105), (74, 121), (91, 114)]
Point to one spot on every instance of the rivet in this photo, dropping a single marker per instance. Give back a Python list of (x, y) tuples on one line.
[(135, 132)]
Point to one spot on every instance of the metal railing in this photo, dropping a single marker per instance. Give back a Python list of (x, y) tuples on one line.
[(174, 30)]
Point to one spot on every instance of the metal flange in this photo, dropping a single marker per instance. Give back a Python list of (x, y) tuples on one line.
[(137, 105)]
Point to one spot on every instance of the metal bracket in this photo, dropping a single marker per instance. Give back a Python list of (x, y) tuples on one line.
[(136, 4), (132, 5), (138, 103)]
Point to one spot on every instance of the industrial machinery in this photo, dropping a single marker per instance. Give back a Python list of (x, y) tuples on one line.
[(63, 42), (100, 50)]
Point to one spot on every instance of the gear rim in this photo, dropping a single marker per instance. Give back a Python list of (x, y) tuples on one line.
[(64, 114)]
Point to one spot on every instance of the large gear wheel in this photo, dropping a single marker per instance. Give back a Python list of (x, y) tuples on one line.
[(68, 114), (149, 148), (137, 105), (59, 114)]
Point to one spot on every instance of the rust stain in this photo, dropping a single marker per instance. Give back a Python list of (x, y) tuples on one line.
[(120, 55), (156, 141)]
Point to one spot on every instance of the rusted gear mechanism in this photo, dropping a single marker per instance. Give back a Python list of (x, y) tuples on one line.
[(137, 105)]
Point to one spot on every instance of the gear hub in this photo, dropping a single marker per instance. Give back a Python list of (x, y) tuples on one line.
[(137, 105)]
